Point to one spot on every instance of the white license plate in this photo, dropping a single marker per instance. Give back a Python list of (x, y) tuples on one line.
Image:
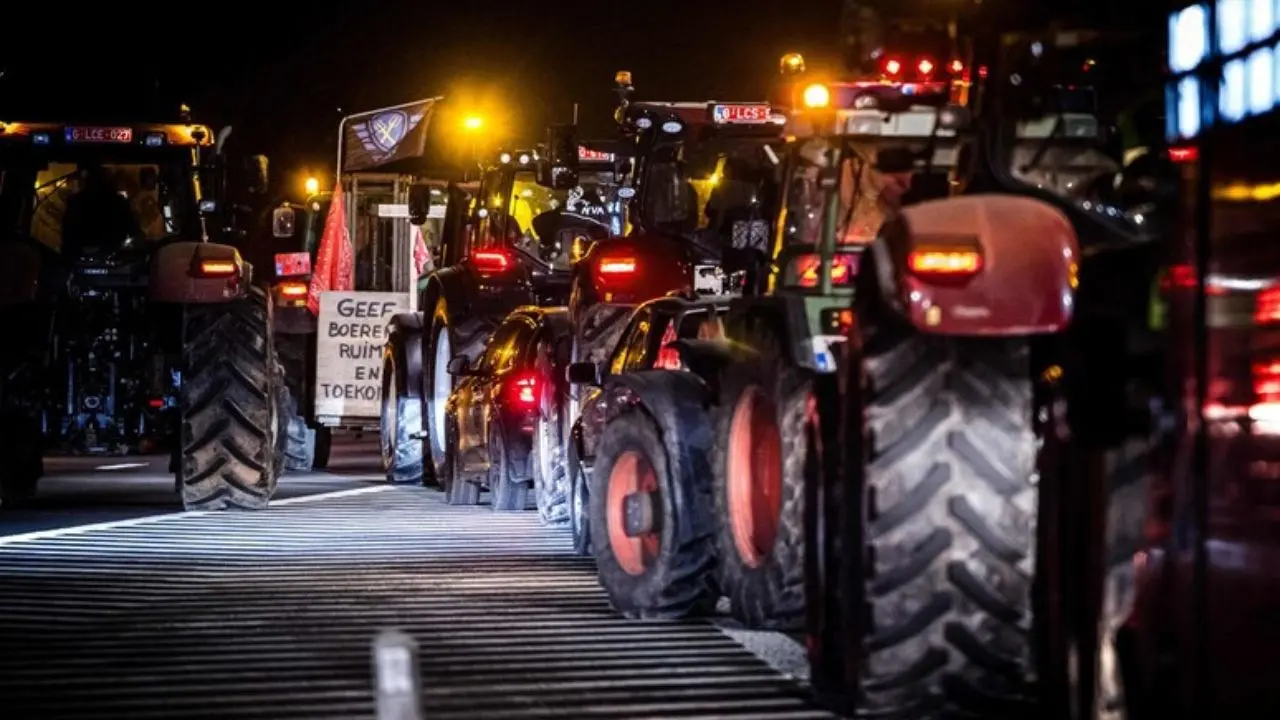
[(708, 279)]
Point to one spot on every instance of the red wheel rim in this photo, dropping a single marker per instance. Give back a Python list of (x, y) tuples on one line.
[(753, 475), (631, 473)]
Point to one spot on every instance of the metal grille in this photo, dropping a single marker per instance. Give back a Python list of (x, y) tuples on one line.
[(272, 615)]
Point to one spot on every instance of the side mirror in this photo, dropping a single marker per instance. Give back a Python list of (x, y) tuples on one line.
[(283, 222), (583, 373), (459, 366), (259, 175), (562, 157), (419, 204)]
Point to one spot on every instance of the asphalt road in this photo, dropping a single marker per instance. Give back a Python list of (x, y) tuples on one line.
[(271, 615), (87, 490)]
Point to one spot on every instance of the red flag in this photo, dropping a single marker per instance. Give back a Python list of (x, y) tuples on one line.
[(421, 256), (335, 259)]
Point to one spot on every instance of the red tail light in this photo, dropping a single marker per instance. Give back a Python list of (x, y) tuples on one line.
[(522, 391), (217, 268), (892, 67), (843, 269), (293, 290), (155, 403), (1184, 154), (617, 266), (925, 66), (957, 67), (1267, 308), (944, 262), (491, 260)]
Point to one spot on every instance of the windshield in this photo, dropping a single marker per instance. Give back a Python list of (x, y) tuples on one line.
[(88, 200), (727, 189), (590, 211)]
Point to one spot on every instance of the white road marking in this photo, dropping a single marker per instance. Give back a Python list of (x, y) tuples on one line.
[(149, 519)]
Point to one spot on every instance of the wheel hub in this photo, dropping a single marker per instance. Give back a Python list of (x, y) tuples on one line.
[(754, 476)]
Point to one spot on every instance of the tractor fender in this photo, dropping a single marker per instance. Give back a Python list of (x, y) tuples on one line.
[(670, 396), (451, 284), (175, 268), (20, 268), (405, 339), (1024, 286)]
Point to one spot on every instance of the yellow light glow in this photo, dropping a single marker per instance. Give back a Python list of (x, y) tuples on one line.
[(473, 122), (792, 63), (817, 96), (313, 186)]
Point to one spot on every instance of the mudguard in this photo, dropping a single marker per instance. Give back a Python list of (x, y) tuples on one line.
[(405, 330), (668, 395), (20, 267), (174, 274), (1027, 279)]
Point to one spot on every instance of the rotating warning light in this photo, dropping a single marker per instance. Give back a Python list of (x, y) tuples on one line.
[(473, 122), (623, 78), (792, 63), (817, 96), (925, 67), (892, 67), (313, 186)]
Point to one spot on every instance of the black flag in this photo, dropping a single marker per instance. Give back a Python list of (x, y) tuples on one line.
[(380, 137)]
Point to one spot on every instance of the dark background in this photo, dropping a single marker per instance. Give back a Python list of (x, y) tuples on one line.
[(283, 74)]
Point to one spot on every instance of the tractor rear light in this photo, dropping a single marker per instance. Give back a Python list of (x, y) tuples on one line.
[(1267, 308), (948, 262), (490, 261), (925, 66), (843, 269), (957, 67), (293, 290), (216, 268), (522, 390), (617, 266), (1188, 154), (892, 67), (155, 403)]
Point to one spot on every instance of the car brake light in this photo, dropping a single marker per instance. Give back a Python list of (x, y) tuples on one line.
[(957, 67), (843, 269), (617, 266), (523, 390), (1267, 308), (217, 268), (925, 67), (950, 263), (491, 260), (293, 289), (892, 67)]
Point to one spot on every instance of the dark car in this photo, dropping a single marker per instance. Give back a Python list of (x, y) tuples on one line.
[(643, 345), (491, 416)]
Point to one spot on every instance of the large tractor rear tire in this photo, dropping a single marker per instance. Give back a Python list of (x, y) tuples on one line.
[(548, 459), (400, 436), (656, 468), (758, 471), (444, 341), (229, 405), (951, 507)]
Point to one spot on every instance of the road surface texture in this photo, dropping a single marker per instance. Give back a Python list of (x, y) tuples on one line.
[(272, 615), (82, 490)]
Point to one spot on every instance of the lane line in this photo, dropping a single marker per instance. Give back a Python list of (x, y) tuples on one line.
[(149, 519)]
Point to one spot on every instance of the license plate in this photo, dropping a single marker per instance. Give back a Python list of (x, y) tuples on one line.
[(742, 114), (708, 279), (293, 264), (100, 134)]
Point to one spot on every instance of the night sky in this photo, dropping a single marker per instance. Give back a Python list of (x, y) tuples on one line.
[(284, 77)]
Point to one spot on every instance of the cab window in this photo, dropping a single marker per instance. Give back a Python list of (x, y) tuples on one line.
[(489, 209), (506, 347), (631, 344)]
